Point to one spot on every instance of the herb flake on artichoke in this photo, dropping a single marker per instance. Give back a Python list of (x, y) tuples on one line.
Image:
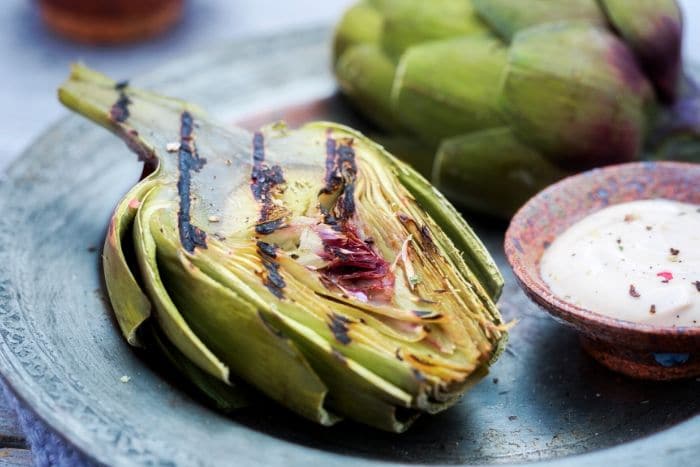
[(309, 264)]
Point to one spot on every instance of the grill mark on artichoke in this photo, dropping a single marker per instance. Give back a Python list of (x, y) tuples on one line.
[(272, 278), (332, 181), (119, 112), (341, 174), (346, 164), (265, 180), (188, 161), (339, 327), (353, 263)]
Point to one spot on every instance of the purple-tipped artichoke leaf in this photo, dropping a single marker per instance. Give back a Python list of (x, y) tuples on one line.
[(579, 110), (653, 29)]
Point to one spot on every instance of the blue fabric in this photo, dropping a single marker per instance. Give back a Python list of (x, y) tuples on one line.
[(48, 449)]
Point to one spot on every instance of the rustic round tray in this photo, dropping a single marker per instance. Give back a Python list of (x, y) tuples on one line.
[(61, 352)]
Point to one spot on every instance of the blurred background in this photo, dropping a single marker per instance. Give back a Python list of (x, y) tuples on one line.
[(36, 60)]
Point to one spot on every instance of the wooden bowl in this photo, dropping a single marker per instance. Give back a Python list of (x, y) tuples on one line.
[(110, 22), (637, 350)]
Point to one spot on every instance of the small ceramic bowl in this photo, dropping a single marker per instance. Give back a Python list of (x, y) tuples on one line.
[(638, 350)]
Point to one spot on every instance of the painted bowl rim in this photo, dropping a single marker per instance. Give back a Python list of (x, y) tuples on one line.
[(584, 319)]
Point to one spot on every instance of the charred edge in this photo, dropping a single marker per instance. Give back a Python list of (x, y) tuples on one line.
[(120, 109), (404, 219), (332, 179), (263, 180), (188, 161), (341, 173), (339, 328), (337, 300), (397, 354), (348, 167), (269, 326), (427, 239), (418, 375), (266, 228), (148, 168), (273, 280), (421, 361), (267, 249), (427, 315)]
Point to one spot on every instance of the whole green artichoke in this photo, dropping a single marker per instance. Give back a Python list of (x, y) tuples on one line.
[(502, 97), (308, 264)]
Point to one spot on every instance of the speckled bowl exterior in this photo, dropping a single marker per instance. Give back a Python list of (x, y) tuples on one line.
[(638, 350)]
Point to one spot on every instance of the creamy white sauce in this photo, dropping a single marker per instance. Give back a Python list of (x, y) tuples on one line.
[(637, 261)]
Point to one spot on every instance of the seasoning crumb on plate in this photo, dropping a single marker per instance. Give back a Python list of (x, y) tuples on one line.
[(633, 291)]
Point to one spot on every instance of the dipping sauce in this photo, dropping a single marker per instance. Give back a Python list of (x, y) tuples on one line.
[(637, 261)]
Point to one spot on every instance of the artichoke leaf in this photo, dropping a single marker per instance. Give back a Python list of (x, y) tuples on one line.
[(223, 396), (309, 263), (654, 31), (496, 167), (360, 24), (130, 304), (409, 22), (508, 17), (166, 313), (366, 74), (449, 87), (578, 110), (239, 332)]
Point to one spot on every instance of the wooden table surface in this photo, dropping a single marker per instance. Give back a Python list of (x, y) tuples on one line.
[(13, 446), (37, 61)]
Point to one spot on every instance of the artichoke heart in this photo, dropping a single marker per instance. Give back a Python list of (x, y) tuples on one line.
[(309, 264)]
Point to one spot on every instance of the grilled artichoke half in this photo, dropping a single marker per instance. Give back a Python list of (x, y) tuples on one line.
[(310, 264)]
